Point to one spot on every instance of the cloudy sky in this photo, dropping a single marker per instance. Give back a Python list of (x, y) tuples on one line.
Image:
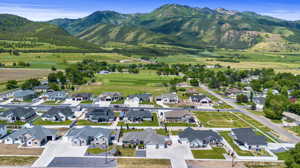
[(42, 10)]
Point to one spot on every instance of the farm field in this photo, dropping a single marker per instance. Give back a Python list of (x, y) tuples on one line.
[(143, 163), (21, 74), (61, 60), (144, 82)]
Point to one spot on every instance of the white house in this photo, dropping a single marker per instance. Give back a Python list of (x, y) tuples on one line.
[(132, 102), (170, 98)]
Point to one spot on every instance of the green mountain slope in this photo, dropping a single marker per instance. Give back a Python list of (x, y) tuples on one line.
[(186, 26), (18, 29)]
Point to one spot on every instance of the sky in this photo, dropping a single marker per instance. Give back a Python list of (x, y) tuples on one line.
[(43, 10)]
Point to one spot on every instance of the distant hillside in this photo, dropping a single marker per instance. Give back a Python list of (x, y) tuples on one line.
[(16, 32), (189, 27)]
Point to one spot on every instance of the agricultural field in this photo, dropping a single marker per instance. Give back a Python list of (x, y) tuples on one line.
[(144, 82), (62, 60), (21, 74)]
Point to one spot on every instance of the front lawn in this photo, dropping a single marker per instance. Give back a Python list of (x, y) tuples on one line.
[(180, 125), (86, 122), (96, 151), (152, 123), (162, 132), (129, 152), (215, 153), (52, 102), (2, 122), (42, 122), (86, 102)]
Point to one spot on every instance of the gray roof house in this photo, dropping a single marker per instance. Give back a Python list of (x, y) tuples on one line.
[(247, 138), (17, 114), (3, 130), (200, 98), (100, 115), (41, 88), (59, 114), (179, 116), (89, 136), (110, 96), (148, 137), (31, 137), (138, 115), (199, 138), (146, 97), (55, 96), (82, 96), (22, 95), (170, 98)]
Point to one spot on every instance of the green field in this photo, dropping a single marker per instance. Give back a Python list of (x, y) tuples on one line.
[(220, 120), (144, 82), (61, 60), (215, 153)]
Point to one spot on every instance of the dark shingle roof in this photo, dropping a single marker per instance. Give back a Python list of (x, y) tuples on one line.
[(104, 113), (37, 132), (86, 132), (138, 114), (87, 95), (247, 135), (202, 135), (55, 111), (148, 136), (142, 97), (18, 112)]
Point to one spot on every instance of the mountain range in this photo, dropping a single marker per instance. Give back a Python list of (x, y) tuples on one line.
[(169, 25)]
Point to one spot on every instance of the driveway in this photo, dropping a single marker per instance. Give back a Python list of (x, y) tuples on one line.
[(177, 153), (58, 149), (281, 131)]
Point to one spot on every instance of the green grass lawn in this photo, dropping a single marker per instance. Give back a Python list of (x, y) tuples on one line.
[(162, 132), (229, 139), (220, 120), (98, 150), (52, 102), (86, 102), (215, 153), (42, 122), (154, 123), (127, 84), (283, 155), (86, 122), (14, 123), (17, 161), (180, 125), (129, 152)]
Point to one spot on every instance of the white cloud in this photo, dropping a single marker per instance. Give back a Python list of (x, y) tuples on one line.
[(284, 14), (38, 13)]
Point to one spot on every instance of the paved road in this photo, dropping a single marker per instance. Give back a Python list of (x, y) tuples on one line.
[(281, 131)]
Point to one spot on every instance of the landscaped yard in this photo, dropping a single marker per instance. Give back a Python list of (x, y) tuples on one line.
[(215, 153), (154, 123), (127, 84), (220, 120), (98, 150), (86, 122), (143, 163), (42, 122), (17, 161)]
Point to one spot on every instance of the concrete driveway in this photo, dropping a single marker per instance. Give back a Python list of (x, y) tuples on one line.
[(177, 153), (58, 149)]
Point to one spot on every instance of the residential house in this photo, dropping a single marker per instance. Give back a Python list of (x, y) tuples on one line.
[(55, 96), (8, 94), (89, 136), (103, 72), (132, 102), (232, 92), (110, 96), (3, 130), (58, 114), (201, 99), (259, 102), (179, 117), (82, 97), (138, 116), (31, 137), (149, 138), (146, 97), (41, 88), (247, 80), (199, 138), (100, 115), (17, 114), (170, 98), (22, 95), (247, 138)]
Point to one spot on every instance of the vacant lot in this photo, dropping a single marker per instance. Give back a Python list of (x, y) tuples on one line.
[(17, 161), (14, 150), (144, 163), (144, 82), (21, 74), (220, 120)]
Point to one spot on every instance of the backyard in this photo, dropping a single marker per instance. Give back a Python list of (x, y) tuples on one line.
[(215, 153), (43, 122)]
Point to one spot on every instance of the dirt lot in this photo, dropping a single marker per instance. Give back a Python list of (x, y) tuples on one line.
[(21, 74), (144, 163), (14, 150), (17, 161)]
